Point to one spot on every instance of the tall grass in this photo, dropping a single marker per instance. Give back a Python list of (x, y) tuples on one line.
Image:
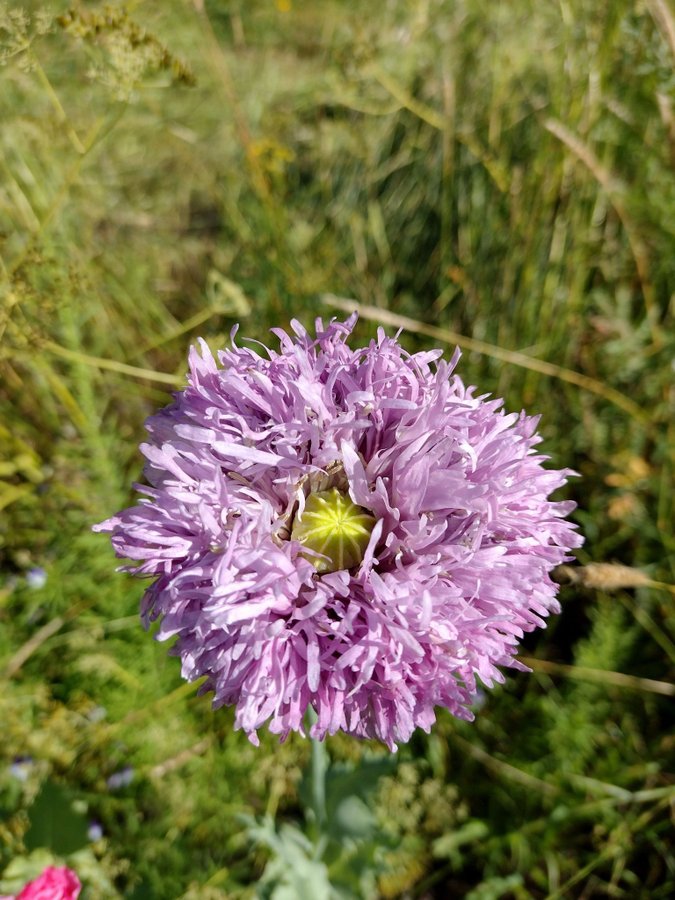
[(500, 176)]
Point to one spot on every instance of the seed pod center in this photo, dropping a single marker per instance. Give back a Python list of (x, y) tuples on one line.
[(333, 525)]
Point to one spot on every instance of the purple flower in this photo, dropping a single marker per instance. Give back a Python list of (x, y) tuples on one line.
[(120, 779), (95, 831), (21, 768), (36, 578), (349, 530)]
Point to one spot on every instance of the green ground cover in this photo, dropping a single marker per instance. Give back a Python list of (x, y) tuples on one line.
[(500, 175)]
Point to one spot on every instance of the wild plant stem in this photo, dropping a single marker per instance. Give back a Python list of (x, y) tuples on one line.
[(318, 769)]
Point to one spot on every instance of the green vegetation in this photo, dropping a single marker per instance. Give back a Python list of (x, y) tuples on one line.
[(500, 171)]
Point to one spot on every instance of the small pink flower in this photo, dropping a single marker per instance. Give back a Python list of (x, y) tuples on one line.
[(54, 884)]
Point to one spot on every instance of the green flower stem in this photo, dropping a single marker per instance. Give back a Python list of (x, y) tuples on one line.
[(319, 767)]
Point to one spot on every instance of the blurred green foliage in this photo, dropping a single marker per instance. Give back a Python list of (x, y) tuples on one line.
[(505, 171)]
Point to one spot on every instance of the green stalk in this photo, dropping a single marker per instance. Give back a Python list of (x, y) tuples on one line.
[(319, 767)]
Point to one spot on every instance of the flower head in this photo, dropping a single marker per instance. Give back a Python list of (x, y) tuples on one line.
[(55, 883), (36, 578), (349, 530)]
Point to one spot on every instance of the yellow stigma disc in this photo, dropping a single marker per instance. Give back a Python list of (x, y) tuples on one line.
[(331, 524)]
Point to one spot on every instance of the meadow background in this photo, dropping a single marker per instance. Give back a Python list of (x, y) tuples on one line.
[(495, 174)]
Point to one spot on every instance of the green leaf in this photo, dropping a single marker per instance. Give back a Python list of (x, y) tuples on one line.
[(54, 823)]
